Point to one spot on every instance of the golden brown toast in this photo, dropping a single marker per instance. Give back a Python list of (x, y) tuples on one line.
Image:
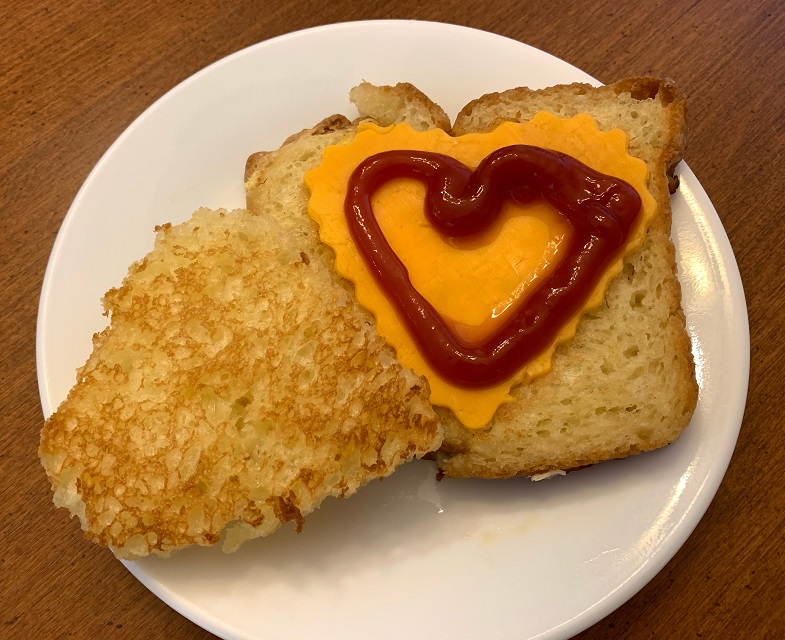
[(234, 390)]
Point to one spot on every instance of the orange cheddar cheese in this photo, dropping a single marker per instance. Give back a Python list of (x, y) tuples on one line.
[(474, 283)]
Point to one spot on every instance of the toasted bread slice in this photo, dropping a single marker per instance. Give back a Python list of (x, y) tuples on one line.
[(626, 382), (235, 389)]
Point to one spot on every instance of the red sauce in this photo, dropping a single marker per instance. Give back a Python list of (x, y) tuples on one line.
[(600, 209)]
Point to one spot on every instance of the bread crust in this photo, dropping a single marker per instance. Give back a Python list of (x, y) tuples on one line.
[(336, 122), (402, 102)]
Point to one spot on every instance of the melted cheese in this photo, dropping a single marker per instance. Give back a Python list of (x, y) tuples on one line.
[(473, 283)]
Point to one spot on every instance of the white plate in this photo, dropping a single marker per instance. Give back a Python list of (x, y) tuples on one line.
[(408, 556)]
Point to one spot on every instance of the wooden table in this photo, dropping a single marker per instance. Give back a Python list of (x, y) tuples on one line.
[(73, 76)]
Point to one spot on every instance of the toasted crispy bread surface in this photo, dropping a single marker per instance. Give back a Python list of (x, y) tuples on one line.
[(234, 390)]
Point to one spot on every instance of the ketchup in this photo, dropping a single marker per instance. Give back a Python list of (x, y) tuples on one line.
[(459, 202)]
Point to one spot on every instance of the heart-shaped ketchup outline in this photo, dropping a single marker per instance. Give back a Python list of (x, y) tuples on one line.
[(600, 209)]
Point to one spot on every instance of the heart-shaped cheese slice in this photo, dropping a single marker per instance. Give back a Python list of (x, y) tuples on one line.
[(474, 283)]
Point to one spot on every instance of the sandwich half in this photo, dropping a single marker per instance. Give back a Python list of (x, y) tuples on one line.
[(625, 382)]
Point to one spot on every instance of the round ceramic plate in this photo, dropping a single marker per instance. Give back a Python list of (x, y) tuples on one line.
[(410, 555)]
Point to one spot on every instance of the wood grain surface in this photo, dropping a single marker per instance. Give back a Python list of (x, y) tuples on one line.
[(74, 75)]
